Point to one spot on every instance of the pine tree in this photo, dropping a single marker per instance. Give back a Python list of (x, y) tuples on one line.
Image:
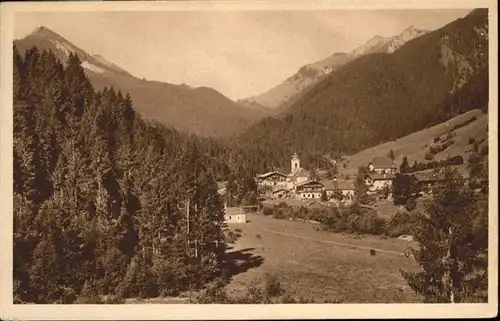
[(404, 168), (449, 252), (391, 155)]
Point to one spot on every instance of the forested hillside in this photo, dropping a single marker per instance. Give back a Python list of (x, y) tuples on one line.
[(381, 97), (101, 196)]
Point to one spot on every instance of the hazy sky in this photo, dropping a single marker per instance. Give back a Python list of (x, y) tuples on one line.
[(238, 53)]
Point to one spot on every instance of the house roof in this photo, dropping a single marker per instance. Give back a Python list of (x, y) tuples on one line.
[(308, 182), (328, 184), (428, 177), (382, 162), (234, 210), (268, 174), (344, 185), (380, 177), (299, 173)]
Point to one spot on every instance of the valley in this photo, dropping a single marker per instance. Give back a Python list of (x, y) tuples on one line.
[(127, 189)]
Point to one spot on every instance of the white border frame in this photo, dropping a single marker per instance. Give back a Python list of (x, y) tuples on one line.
[(216, 311)]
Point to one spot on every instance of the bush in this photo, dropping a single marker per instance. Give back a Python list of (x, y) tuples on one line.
[(472, 140), (272, 287), (429, 156), (456, 160), (267, 211), (214, 293), (402, 223)]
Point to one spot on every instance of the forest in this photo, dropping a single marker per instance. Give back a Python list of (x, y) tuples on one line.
[(106, 203)]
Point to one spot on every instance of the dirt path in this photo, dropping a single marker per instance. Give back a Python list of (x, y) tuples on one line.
[(347, 245)]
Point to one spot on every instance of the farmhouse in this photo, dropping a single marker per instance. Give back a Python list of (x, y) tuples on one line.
[(427, 180), (309, 189), (382, 165), (346, 188), (234, 215), (271, 179), (329, 187), (377, 182), (280, 192)]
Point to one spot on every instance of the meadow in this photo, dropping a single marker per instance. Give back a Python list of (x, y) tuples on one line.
[(319, 265)]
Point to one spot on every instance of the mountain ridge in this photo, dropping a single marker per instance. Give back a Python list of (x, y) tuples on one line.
[(198, 111), (312, 73)]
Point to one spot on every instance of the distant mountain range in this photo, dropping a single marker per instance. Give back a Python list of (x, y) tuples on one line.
[(290, 90), (203, 111), (380, 97)]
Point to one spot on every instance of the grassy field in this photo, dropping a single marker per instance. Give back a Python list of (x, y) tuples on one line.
[(415, 145), (318, 264)]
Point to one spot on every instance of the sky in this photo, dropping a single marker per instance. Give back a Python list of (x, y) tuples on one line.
[(239, 53)]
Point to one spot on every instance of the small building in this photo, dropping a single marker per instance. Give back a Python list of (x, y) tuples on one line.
[(339, 190), (329, 187), (428, 180), (271, 179), (347, 189), (382, 165), (309, 189), (280, 192), (234, 215)]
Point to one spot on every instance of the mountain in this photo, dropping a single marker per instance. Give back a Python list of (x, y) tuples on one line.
[(202, 111), (380, 97), (287, 92)]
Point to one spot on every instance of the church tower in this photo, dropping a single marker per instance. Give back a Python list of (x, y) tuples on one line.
[(295, 163)]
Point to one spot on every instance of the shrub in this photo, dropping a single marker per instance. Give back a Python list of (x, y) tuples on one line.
[(456, 160), (258, 236), (214, 293), (484, 151), (402, 223), (267, 211), (272, 287), (429, 156), (472, 140)]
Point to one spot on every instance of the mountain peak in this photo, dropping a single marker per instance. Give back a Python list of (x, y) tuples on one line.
[(44, 31)]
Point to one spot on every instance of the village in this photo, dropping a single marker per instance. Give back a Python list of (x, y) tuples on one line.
[(300, 188)]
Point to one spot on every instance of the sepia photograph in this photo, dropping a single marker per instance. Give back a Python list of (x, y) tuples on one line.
[(183, 155)]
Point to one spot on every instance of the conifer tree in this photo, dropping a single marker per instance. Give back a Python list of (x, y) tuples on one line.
[(449, 253), (404, 168)]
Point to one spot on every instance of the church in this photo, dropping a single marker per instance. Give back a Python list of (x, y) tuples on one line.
[(276, 182)]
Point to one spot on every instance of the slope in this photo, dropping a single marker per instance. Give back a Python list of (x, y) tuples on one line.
[(416, 145), (202, 111)]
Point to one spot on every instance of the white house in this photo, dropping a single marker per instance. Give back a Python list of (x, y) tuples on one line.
[(234, 215), (377, 182), (309, 189), (382, 165)]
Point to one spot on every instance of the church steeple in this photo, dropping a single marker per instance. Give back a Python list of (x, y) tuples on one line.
[(295, 163)]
